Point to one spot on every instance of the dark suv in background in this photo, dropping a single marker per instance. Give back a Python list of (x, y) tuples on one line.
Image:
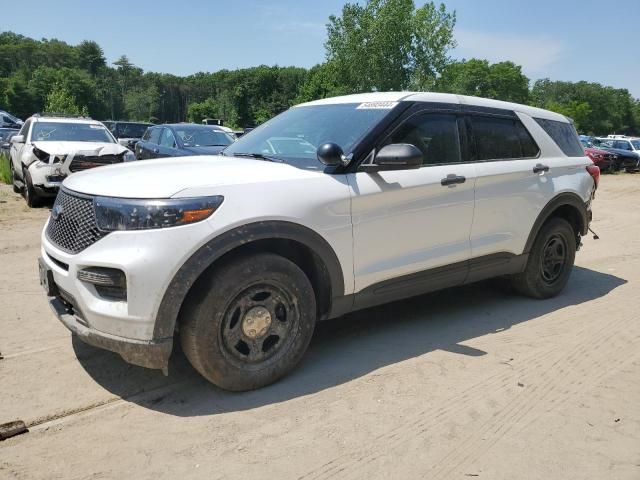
[(182, 139), (127, 133)]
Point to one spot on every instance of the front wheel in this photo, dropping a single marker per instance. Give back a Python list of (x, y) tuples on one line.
[(248, 322), (30, 194), (550, 261)]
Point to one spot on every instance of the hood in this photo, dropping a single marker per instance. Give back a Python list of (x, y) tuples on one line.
[(212, 150), (164, 178), (83, 148)]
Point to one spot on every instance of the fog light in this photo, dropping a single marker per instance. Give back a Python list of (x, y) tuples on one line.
[(110, 283)]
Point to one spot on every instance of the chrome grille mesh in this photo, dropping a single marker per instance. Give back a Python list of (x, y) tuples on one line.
[(72, 226)]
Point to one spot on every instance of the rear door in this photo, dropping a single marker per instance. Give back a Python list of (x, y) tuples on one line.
[(413, 221), (514, 182)]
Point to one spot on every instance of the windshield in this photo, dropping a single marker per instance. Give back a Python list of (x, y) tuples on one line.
[(636, 144), (294, 135), (193, 136), (70, 132), (131, 130)]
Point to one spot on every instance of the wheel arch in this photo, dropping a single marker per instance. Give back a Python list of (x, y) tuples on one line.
[(310, 251), (568, 206)]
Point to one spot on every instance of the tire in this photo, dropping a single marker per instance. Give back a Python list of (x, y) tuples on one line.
[(30, 194), (248, 322), (550, 261), (16, 189)]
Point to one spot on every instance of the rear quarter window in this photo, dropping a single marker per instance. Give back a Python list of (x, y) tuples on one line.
[(565, 136)]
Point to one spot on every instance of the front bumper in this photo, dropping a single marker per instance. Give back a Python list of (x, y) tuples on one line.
[(149, 354)]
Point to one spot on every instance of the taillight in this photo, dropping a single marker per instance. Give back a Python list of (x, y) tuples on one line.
[(594, 171)]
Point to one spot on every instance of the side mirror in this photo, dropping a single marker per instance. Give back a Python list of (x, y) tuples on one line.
[(17, 139), (397, 156), (330, 154)]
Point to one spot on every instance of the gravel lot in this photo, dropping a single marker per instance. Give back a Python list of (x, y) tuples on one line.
[(469, 382)]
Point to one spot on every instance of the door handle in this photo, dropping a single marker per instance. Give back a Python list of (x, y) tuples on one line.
[(156, 150), (540, 168), (452, 179)]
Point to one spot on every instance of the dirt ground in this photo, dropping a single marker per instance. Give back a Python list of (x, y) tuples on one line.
[(470, 382)]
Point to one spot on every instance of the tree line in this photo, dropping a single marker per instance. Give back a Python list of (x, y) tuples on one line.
[(377, 46)]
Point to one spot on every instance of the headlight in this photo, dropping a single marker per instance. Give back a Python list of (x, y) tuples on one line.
[(135, 214), (597, 156), (129, 156)]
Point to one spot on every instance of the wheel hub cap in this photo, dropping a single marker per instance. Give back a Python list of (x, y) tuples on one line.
[(256, 322)]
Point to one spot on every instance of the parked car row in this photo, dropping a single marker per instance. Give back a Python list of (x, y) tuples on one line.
[(613, 153)]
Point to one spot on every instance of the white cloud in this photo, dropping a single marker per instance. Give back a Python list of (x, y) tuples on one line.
[(536, 53)]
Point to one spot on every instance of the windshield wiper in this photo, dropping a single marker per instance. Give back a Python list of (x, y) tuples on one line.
[(258, 156)]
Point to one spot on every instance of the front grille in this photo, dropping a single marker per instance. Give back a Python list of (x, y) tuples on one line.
[(82, 162), (72, 226)]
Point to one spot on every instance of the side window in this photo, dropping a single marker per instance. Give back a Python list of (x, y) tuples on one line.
[(167, 139), (435, 134), (25, 130), (146, 135), (154, 135), (623, 145), (565, 136), (499, 138)]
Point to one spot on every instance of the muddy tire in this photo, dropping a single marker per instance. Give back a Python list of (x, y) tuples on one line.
[(29, 192), (550, 261), (247, 323)]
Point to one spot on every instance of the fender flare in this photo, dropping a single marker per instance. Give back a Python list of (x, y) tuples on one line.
[(566, 198), (206, 255)]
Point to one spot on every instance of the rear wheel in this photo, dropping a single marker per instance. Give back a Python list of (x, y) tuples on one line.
[(248, 322), (550, 261), (30, 194)]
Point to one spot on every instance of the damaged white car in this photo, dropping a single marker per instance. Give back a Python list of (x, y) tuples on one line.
[(48, 149)]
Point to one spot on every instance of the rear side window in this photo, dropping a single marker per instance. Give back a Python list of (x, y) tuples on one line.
[(436, 135), (154, 135), (565, 136), (502, 138)]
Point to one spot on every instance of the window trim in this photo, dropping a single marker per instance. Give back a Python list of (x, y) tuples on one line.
[(474, 151), (440, 109)]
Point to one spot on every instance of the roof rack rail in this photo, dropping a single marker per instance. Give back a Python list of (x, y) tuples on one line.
[(60, 115)]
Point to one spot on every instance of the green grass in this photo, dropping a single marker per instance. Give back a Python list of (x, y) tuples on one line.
[(5, 171)]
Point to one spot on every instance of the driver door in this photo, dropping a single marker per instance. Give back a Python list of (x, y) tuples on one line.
[(411, 228)]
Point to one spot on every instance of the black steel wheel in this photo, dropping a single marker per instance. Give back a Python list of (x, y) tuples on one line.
[(248, 321), (550, 261), (554, 258)]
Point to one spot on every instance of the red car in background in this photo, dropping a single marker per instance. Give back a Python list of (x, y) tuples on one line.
[(603, 159)]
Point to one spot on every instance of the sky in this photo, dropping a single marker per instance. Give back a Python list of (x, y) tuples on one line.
[(560, 39)]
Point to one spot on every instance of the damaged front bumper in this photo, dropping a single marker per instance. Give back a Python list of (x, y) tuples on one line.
[(150, 354)]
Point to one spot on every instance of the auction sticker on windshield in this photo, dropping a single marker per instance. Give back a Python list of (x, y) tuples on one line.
[(376, 105)]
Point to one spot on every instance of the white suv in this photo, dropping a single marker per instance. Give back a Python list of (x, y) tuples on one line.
[(47, 149), (243, 253)]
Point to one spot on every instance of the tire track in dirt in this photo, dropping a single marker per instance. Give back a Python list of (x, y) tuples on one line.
[(560, 381), (397, 436)]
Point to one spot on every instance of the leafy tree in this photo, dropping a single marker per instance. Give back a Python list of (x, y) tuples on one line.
[(59, 100), (386, 45), (502, 81), (91, 57), (579, 112), (198, 111), (141, 103)]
